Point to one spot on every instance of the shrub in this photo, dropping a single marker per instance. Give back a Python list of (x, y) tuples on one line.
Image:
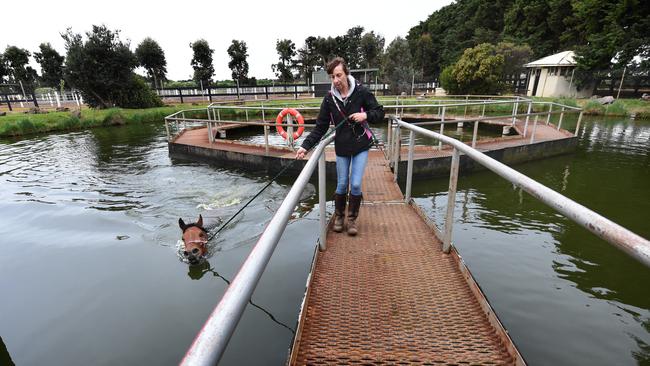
[(26, 126), (593, 107), (617, 109)]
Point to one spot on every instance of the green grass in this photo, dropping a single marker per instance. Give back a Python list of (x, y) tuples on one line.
[(18, 124)]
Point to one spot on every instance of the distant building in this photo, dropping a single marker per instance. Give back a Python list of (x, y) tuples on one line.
[(322, 82), (552, 76)]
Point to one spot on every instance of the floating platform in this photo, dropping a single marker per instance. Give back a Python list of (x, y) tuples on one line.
[(428, 160)]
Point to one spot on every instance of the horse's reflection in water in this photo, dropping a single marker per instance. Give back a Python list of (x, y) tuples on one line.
[(197, 271)]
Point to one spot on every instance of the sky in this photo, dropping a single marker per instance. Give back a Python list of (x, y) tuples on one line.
[(174, 26)]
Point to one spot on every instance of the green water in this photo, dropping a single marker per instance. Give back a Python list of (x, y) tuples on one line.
[(566, 296)]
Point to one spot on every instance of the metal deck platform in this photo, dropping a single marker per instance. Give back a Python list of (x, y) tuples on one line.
[(391, 296)]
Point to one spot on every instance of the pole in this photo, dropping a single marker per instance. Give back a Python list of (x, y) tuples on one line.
[(409, 169), (321, 202), (621, 84), (451, 200)]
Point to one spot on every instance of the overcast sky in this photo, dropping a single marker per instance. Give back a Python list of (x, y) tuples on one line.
[(174, 24)]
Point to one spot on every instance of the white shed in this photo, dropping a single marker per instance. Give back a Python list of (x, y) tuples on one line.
[(552, 76)]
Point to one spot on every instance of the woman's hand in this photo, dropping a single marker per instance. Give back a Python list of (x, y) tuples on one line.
[(358, 117), (300, 153)]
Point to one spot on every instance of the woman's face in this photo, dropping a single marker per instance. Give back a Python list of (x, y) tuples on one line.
[(339, 78)]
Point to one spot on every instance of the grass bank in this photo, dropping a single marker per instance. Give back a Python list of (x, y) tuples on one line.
[(637, 108), (19, 124)]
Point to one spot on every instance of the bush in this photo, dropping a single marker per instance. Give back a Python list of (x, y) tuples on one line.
[(616, 109), (448, 81), (26, 126), (113, 117), (593, 107), (137, 95), (70, 123)]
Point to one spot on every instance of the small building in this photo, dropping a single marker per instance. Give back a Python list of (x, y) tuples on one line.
[(552, 76), (322, 82)]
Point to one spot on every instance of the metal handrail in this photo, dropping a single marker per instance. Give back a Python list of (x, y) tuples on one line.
[(211, 341), (631, 243)]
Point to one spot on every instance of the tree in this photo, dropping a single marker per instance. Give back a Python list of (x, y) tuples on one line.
[(371, 49), (17, 59), (102, 69), (326, 49), (238, 64), (478, 71), (202, 62), (615, 33), (152, 58), (51, 65), (425, 57), (398, 66), (286, 50), (514, 59), (307, 58), (4, 68), (351, 47)]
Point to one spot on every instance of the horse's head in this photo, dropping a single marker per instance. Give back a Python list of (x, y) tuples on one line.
[(195, 238)]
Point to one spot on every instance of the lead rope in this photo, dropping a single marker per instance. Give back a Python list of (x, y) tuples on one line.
[(271, 182)]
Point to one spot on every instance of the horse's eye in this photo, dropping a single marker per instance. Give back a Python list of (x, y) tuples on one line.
[(195, 251), (186, 253)]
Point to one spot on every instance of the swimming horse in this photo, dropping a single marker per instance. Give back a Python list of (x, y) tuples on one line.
[(195, 238)]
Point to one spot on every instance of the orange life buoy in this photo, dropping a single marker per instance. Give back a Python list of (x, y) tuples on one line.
[(299, 118)]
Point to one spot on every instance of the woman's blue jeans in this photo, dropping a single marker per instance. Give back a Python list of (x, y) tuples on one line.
[(349, 170)]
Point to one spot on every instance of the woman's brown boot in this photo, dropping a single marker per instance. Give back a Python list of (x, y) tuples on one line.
[(339, 212), (353, 213)]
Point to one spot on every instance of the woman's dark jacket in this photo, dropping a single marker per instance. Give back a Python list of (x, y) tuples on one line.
[(351, 137)]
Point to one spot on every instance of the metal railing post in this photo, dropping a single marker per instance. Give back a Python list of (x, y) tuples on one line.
[(451, 200), (578, 124), (290, 129), (466, 101), (210, 135), (559, 124), (398, 148), (548, 117), (389, 134), (442, 125), (409, 170), (532, 135), (515, 107), (322, 202), (475, 133), (169, 138), (483, 111), (530, 106), (266, 133)]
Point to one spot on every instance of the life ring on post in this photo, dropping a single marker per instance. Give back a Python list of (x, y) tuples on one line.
[(297, 116)]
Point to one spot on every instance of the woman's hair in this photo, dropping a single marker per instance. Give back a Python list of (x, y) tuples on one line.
[(334, 63)]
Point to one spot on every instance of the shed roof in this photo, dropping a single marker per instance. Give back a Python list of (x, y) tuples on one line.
[(565, 58)]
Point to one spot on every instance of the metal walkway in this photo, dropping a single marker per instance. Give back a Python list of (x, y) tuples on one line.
[(391, 296)]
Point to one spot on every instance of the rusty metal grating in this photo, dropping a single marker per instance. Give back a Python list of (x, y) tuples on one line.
[(378, 182), (390, 296)]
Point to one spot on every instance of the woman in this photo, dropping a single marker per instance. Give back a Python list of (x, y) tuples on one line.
[(352, 102)]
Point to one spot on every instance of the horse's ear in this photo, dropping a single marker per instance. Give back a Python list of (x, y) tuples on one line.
[(181, 223), (199, 223)]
